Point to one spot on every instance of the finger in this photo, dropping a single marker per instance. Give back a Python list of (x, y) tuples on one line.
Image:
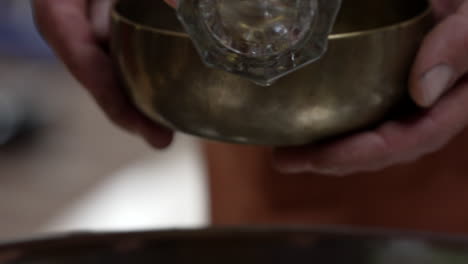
[(65, 26), (393, 142), (99, 13), (442, 60), (443, 8), (172, 3)]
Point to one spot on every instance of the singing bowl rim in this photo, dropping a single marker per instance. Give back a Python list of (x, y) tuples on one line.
[(111, 236), (117, 17), (97, 247)]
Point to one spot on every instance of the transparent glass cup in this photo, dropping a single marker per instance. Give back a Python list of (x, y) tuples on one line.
[(261, 40)]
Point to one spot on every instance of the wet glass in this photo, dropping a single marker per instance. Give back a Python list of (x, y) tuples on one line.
[(261, 40)]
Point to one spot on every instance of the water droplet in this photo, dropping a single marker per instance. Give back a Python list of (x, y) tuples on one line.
[(258, 28)]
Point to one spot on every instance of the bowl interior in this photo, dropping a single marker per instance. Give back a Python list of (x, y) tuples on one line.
[(355, 15)]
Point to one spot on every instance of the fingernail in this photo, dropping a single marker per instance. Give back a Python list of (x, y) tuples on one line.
[(290, 169), (435, 83), (331, 172), (287, 165)]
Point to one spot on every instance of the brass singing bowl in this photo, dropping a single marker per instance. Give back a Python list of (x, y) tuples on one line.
[(358, 82), (246, 246)]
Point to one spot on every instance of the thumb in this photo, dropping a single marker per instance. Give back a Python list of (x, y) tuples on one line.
[(172, 3), (99, 12), (442, 60), (444, 8)]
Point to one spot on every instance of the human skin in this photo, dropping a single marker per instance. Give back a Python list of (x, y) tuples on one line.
[(426, 194), (436, 84), (441, 63), (408, 189), (77, 30)]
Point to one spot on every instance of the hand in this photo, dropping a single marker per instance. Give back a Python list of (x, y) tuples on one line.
[(77, 30), (436, 83)]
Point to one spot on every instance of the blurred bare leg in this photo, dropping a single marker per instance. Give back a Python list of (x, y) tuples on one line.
[(428, 195)]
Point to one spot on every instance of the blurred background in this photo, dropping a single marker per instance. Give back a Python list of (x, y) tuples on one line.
[(64, 167)]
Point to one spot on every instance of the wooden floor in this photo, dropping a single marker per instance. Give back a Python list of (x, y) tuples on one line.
[(75, 149)]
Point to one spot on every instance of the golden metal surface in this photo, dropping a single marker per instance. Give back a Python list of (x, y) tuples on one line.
[(362, 77)]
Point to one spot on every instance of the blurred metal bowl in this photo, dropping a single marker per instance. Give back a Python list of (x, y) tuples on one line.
[(246, 246), (361, 79)]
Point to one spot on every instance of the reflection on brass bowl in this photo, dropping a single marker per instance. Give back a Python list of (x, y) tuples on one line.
[(246, 246), (361, 78)]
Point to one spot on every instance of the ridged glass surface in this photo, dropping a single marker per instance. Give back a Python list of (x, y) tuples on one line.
[(258, 28), (260, 40)]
